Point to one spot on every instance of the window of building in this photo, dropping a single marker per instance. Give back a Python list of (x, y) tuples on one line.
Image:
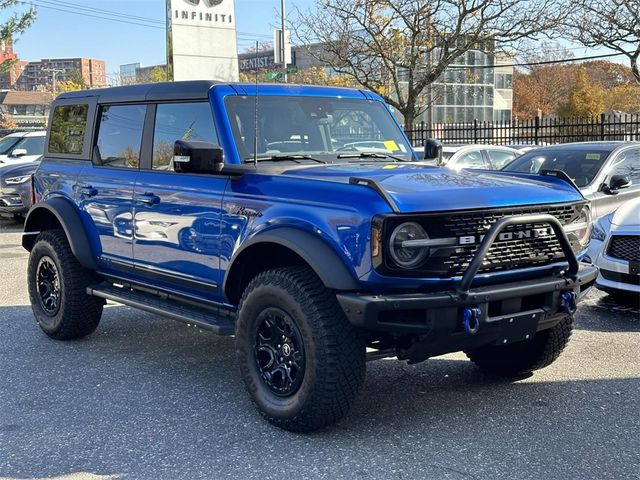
[(120, 135), (180, 121), (504, 80), (68, 127)]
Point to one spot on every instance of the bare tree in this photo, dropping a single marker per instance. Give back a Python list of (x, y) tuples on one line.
[(397, 48), (614, 24)]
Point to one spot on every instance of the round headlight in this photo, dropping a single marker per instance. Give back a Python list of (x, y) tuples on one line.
[(579, 229), (402, 252)]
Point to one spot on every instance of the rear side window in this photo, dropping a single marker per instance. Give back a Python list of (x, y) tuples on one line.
[(68, 128), (180, 121), (120, 135), (500, 158)]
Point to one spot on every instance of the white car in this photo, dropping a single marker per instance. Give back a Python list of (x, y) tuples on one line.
[(22, 147), (615, 249), (484, 157)]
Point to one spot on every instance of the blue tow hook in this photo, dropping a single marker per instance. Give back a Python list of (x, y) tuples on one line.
[(471, 320), (568, 302)]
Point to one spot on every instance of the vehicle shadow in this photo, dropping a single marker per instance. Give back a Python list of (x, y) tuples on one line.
[(146, 388), (607, 313)]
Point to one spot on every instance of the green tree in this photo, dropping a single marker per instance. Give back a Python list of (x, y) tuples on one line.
[(158, 74), (75, 76), (18, 22), (585, 99)]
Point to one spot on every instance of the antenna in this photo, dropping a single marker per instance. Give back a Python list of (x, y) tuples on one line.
[(255, 124)]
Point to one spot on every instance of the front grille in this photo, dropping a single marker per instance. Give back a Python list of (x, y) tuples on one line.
[(625, 247), (506, 254)]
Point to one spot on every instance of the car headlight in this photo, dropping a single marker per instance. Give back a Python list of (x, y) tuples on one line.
[(17, 180), (579, 229), (404, 245)]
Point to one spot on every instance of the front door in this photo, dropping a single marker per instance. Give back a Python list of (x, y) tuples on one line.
[(626, 162), (105, 187), (177, 215)]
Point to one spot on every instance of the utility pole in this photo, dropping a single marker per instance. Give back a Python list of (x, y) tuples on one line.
[(283, 47), (54, 74)]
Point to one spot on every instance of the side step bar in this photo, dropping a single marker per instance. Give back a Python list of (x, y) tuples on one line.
[(213, 320)]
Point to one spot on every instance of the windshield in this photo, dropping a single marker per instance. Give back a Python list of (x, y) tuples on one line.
[(7, 143), (581, 165), (33, 145), (325, 127)]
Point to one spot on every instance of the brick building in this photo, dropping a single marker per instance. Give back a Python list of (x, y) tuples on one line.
[(39, 75)]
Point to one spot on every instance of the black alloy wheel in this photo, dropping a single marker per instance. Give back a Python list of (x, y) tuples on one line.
[(279, 352)]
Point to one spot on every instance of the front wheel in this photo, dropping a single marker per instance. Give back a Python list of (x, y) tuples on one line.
[(524, 357), (301, 360)]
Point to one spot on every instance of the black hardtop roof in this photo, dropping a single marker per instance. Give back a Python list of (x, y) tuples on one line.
[(189, 90)]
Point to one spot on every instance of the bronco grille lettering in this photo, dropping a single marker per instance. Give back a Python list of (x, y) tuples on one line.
[(507, 236)]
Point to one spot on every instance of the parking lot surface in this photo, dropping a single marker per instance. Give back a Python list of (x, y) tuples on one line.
[(148, 398)]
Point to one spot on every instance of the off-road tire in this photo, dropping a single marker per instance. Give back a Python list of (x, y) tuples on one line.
[(334, 351), (523, 357), (78, 314)]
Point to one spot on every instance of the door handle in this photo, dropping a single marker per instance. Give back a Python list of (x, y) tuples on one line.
[(87, 190), (148, 198)]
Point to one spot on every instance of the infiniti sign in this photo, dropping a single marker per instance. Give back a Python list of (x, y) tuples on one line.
[(200, 15)]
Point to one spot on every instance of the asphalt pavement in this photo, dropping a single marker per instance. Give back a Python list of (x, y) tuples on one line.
[(148, 398)]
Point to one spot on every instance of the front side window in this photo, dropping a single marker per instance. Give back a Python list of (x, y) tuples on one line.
[(68, 127), (120, 135), (323, 127), (628, 163), (180, 121), (581, 165), (33, 145)]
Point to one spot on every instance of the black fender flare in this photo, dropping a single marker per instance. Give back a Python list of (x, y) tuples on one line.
[(325, 261), (38, 219)]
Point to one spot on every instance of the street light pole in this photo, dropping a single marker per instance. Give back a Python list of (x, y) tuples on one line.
[(54, 74), (283, 47)]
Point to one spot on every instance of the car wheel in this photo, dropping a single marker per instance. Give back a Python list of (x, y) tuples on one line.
[(523, 357), (301, 360), (57, 289)]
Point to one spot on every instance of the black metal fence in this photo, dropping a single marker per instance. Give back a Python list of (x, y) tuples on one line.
[(537, 131)]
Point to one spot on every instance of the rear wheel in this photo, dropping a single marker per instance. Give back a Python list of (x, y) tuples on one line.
[(523, 357), (301, 360), (57, 289)]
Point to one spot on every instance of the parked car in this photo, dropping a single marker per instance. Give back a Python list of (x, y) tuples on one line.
[(484, 157), (615, 248), (15, 188), (271, 225), (22, 147), (607, 173), (525, 147)]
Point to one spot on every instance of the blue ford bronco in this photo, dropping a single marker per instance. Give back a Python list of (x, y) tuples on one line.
[(300, 220)]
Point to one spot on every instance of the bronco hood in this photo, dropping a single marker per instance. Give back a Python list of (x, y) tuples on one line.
[(420, 188)]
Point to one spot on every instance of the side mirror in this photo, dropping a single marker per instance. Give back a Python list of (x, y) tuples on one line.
[(433, 149), (619, 181), (616, 182), (197, 157), (19, 152)]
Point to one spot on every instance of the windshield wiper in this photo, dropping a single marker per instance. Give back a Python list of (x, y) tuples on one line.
[(372, 155), (283, 158)]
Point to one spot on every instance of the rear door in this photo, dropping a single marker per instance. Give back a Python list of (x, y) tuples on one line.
[(105, 187), (177, 215)]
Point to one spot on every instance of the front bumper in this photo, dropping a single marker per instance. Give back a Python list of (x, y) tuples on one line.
[(434, 323), (420, 312), (13, 200)]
